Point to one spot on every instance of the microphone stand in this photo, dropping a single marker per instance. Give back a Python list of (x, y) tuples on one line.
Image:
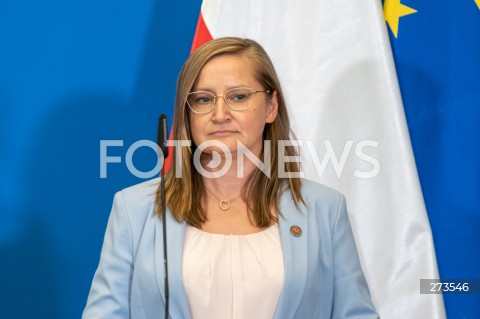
[(162, 141), (164, 222)]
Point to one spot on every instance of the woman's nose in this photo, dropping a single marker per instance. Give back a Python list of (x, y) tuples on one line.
[(221, 111)]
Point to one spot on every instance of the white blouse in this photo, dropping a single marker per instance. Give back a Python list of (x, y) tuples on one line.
[(233, 276)]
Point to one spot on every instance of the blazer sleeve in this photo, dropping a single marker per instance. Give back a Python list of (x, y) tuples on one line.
[(351, 294), (110, 290)]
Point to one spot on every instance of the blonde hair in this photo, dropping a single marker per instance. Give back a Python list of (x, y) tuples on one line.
[(184, 195)]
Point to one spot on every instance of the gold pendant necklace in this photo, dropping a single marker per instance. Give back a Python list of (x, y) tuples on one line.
[(222, 203)]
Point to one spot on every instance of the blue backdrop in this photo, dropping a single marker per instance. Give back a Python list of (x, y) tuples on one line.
[(71, 74)]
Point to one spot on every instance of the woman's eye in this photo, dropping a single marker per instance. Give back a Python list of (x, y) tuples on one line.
[(204, 100), (238, 97)]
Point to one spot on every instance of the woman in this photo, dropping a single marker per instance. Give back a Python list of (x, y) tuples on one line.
[(245, 237)]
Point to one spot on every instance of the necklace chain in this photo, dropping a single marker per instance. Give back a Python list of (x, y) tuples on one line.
[(223, 203)]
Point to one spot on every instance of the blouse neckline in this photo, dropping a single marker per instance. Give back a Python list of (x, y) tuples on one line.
[(251, 235)]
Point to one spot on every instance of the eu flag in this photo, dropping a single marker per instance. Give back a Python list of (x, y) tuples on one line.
[(436, 47)]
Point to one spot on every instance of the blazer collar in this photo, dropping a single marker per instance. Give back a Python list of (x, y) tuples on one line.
[(294, 255)]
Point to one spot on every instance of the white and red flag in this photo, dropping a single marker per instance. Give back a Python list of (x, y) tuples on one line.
[(335, 64)]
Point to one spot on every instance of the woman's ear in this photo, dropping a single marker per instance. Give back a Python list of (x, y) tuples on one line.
[(272, 108)]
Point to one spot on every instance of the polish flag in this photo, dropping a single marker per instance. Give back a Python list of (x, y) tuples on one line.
[(336, 68)]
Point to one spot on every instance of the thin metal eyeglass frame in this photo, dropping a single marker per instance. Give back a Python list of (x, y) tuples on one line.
[(215, 99)]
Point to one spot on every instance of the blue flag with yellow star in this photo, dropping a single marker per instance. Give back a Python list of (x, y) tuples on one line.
[(436, 47)]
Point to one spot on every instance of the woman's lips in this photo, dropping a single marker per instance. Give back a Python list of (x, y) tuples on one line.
[(223, 133)]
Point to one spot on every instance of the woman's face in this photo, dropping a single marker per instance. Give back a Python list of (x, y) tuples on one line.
[(224, 124)]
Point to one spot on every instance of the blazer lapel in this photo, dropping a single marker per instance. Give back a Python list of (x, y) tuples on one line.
[(178, 302), (295, 247)]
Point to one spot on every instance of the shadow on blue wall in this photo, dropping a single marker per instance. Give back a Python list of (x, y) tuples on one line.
[(30, 265), (63, 209)]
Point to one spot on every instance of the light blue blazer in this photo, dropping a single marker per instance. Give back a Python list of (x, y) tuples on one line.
[(323, 276)]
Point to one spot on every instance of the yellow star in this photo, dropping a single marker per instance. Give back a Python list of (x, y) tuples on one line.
[(393, 10), (478, 3)]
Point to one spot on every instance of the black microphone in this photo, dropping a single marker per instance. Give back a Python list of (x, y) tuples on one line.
[(163, 135), (162, 143)]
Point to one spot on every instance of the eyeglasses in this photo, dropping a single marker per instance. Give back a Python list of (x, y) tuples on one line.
[(237, 99)]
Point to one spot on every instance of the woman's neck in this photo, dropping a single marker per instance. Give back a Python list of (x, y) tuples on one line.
[(227, 182)]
